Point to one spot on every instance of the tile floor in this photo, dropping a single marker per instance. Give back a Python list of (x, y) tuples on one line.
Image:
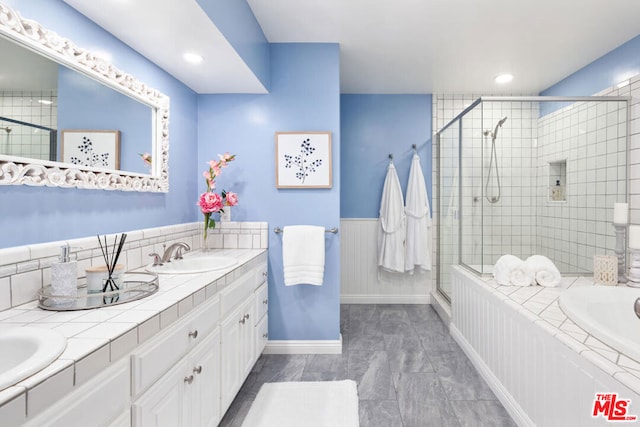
[(410, 372)]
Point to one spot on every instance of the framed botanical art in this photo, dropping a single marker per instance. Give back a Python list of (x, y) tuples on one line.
[(303, 160), (93, 148)]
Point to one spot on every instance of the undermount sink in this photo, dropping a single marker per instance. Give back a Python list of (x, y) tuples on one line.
[(27, 350), (197, 263)]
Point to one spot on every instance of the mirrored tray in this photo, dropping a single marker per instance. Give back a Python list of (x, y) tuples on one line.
[(134, 286)]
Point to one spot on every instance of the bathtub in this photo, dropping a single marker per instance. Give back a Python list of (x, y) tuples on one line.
[(607, 313)]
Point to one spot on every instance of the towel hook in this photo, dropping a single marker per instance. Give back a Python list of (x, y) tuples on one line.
[(390, 156), (415, 148)]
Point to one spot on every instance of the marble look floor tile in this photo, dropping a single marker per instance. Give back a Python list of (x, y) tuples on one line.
[(481, 413), (422, 400), (437, 343), (325, 367), (370, 369), (418, 312), (236, 413), (379, 413), (366, 341), (409, 360), (459, 378)]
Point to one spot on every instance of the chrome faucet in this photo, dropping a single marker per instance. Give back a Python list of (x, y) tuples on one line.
[(179, 247)]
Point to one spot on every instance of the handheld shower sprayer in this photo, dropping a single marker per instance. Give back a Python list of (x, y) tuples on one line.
[(493, 158)]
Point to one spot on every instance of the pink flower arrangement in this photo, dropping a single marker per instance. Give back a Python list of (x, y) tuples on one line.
[(211, 202)]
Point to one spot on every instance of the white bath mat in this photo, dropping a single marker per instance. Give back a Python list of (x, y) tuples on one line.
[(308, 404)]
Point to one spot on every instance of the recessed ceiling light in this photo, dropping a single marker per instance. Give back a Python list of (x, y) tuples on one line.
[(192, 58), (45, 102), (504, 78)]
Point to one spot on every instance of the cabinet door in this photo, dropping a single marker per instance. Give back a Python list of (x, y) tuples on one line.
[(262, 336), (163, 405), (247, 338), (205, 389), (229, 356)]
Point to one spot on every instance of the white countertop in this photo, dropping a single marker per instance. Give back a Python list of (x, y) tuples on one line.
[(98, 337)]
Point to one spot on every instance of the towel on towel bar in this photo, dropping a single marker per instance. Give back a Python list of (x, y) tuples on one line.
[(303, 254)]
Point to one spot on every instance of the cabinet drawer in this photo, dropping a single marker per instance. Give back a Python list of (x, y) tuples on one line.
[(159, 355), (262, 302), (261, 274), (233, 295)]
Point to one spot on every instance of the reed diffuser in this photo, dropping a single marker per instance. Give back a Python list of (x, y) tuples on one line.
[(111, 256)]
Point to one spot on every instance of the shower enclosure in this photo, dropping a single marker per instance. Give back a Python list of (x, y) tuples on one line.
[(530, 175)]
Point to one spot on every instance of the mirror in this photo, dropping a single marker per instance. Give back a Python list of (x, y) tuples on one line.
[(70, 119)]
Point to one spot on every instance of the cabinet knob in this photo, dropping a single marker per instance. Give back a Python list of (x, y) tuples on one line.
[(265, 335), (197, 369), (265, 301), (264, 274), (193, 334), (188, 379), (246, 316), (243, 320)]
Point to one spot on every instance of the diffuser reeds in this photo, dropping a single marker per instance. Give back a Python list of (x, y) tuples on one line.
[(111, 256)]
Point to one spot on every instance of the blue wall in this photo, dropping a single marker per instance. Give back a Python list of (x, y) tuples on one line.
[(304, 96), (83, 103), (236, 22), (40, 214), (374, 126)]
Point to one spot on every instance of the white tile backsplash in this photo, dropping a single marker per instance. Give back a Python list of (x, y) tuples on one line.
[(24, 270)]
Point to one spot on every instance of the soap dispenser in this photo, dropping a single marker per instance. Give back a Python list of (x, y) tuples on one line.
[(64, 274), (557, 194)]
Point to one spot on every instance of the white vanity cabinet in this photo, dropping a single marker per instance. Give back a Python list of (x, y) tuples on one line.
[(261, 323), (238, 332), (187, 395)]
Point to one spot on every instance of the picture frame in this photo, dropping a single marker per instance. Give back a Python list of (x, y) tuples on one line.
[(91, 148), (303, 160)]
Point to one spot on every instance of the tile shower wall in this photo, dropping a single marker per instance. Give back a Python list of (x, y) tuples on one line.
[(24, 270), (24, 106), (591, 138)]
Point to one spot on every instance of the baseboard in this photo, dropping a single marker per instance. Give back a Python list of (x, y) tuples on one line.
[(304, 346), (516, 412), (442, 307), (385, 299)]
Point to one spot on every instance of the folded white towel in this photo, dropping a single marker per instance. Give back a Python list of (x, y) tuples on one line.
[(508, 265), (545, 271), (303, 254)]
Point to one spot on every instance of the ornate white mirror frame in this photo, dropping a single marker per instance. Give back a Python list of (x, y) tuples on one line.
[(22, 171)]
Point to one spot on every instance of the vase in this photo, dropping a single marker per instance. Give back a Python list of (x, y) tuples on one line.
[(205, 244), (225, 216)]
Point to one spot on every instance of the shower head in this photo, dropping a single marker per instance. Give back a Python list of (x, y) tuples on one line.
[(500, 123)]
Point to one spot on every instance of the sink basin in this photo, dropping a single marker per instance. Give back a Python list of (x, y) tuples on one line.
[(27, 350), (198, 263)]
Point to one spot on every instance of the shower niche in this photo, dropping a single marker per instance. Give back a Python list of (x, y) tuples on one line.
[(558, 181)]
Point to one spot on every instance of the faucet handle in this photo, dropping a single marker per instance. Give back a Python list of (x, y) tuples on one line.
[(179, 249), (156, 259)]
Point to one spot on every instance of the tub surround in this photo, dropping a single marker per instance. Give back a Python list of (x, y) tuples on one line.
[(504, 328)]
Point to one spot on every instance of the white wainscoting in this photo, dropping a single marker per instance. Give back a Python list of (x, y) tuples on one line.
[(359, 280), (539, 380)]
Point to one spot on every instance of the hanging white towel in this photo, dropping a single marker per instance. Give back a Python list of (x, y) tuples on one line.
[(392, 224), (303, 255), (418, 240)]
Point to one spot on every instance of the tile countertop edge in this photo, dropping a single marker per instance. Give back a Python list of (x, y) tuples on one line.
[(196, 287), (589, 353)]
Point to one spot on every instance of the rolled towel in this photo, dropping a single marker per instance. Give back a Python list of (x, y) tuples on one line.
[(544, 270), (521, 275), (503, 268)]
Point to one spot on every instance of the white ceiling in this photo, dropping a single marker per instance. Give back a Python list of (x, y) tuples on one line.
[(399, 46)]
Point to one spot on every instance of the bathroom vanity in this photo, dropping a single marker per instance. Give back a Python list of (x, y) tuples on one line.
[(175, 358)]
